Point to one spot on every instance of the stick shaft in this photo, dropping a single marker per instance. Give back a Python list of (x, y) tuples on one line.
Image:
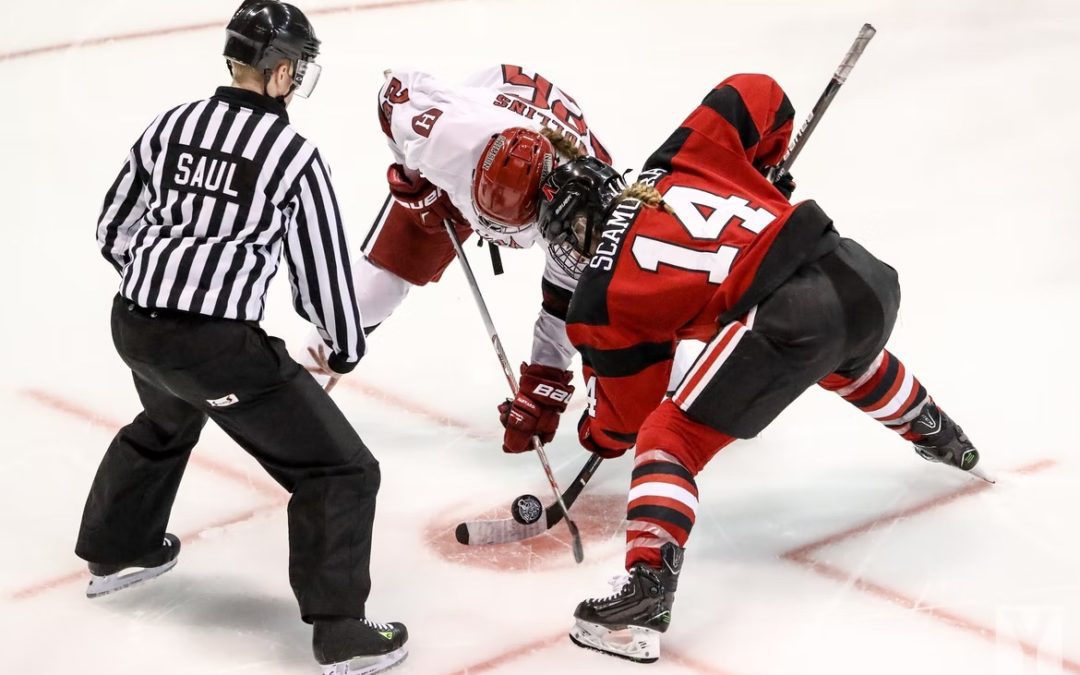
[(840, 75), (485, 315)]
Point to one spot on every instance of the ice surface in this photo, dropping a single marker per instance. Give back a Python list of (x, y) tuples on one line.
[(949, 153)]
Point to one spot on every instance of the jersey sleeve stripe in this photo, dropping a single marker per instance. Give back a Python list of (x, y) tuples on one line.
[(728, 103), (784, 114), (665, 154), (556, 300), (376, 227)]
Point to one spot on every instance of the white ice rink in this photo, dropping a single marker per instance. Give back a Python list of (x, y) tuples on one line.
[(824, 546)]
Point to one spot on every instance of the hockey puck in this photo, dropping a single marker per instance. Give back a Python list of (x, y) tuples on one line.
[(461, 533), (526, 509)]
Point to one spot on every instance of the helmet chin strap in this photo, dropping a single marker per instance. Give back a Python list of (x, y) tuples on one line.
[(587, 244)]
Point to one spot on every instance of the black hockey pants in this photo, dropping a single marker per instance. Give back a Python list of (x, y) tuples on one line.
[(834, 315), (188, 368)]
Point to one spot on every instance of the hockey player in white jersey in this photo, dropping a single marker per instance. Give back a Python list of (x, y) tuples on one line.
[(475, 154)]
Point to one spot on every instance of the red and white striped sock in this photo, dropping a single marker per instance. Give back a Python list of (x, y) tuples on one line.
[(662, 506), (887, 392)]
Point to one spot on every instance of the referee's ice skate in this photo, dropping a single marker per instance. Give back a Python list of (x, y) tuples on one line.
[(629, 622), (106, 578), (346, 646)]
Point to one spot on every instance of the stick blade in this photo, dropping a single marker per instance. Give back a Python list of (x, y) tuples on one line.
[(486, 532), (575, 541)]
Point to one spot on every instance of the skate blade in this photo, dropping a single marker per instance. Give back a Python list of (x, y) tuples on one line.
[(981, 473), (104, 585), (633, 643), (366, 665)]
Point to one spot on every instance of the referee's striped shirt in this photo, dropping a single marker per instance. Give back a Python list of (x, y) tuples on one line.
[(209, 196)]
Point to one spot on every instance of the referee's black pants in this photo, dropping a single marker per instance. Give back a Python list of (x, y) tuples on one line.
[(189, 367)]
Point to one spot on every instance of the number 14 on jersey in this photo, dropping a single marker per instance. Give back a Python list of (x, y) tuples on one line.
[(705, 216)]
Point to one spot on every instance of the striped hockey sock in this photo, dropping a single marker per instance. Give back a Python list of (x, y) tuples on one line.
[(887, 392), (662, 506)]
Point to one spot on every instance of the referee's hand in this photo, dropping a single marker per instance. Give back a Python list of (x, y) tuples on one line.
[(322, 367)]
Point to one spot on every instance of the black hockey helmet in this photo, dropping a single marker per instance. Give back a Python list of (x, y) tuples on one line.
[(263, 32), (575, 202)]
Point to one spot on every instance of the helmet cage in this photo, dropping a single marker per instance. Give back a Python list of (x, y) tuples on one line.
[(568, 259)]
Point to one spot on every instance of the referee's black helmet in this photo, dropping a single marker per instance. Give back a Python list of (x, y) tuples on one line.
[(263, 32)]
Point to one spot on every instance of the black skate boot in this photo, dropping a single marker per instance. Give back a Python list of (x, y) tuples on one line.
[(108, 578), (628, 623), (346, 646), (944, 441)]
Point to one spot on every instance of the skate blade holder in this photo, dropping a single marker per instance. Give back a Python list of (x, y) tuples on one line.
[(634, 643), (102, 585), (983, 473), (367, 665)]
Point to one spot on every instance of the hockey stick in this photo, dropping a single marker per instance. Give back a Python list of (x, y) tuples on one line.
[(839, 77), (506, 530), (538, 447)]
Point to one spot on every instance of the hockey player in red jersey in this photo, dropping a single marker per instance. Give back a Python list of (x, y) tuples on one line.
[(705, 247), (474, 154)]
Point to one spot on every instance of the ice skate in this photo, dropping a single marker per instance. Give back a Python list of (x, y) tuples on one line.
[(944, 441), (629, 622), (346, 646), (108, 578)]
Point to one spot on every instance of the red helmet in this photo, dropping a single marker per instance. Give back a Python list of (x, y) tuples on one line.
[(506, 183)]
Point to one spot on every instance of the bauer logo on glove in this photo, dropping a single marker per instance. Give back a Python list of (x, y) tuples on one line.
[(561, 395)]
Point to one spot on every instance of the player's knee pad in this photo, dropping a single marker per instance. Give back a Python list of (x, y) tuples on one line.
[(693, 444)]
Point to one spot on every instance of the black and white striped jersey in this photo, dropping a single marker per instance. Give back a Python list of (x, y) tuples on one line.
[(209, 196)]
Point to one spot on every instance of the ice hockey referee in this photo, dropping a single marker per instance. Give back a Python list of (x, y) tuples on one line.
[(195, 223)]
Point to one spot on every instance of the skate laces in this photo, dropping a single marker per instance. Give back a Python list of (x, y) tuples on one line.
[(617, 583), (378, 626)]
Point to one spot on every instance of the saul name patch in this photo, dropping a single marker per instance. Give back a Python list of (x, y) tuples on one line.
[(210, 173)]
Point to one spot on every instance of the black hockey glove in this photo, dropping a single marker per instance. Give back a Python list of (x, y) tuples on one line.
[(784, 183)]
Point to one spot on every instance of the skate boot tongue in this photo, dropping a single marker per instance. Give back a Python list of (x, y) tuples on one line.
[(671, 557)]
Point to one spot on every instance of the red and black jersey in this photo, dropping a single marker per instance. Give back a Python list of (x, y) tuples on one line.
[(729, 240)]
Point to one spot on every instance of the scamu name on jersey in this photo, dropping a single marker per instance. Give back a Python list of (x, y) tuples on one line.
[(622, 217)]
